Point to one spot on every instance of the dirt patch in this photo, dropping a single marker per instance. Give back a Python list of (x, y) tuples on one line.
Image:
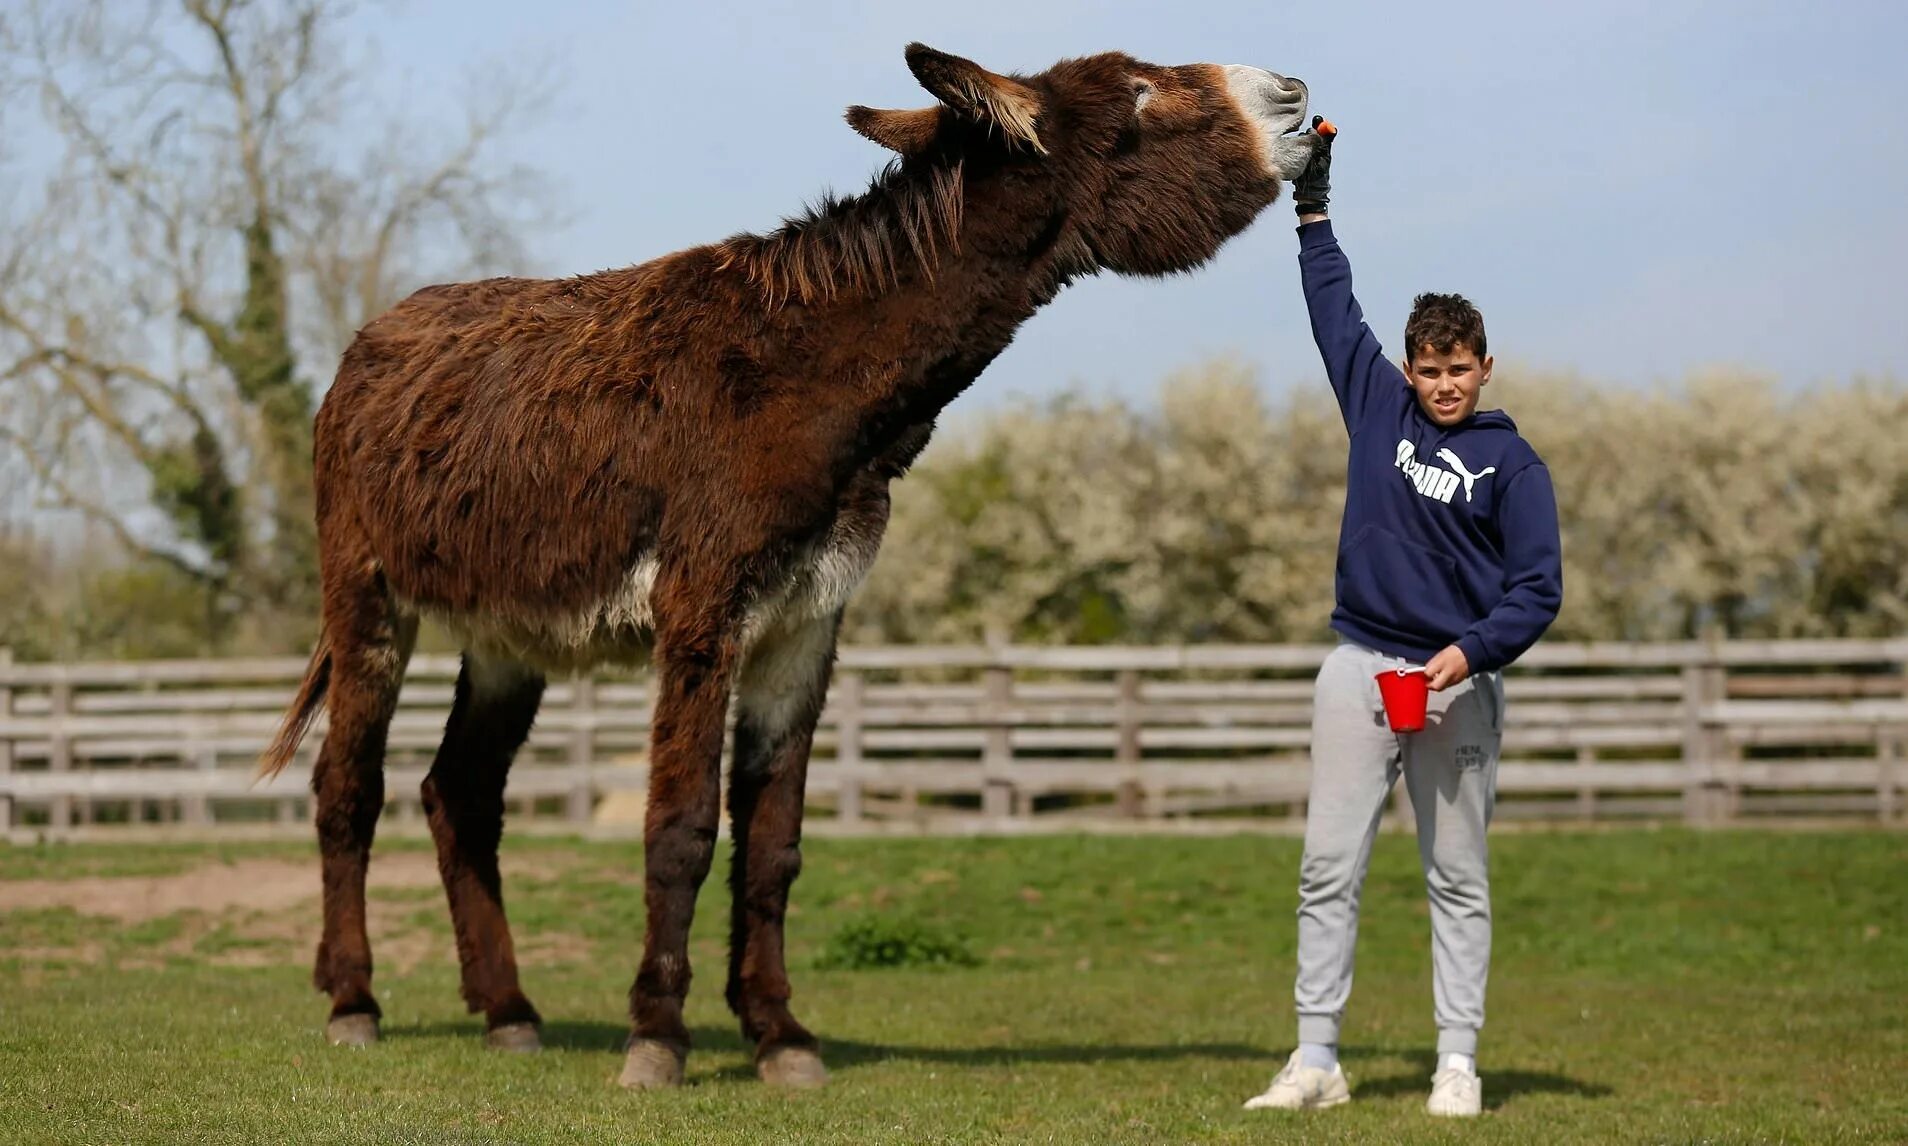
[(264, 913), (398, 943), (553, 949), (250, 957), (256, 885), (248, 885), (85, 953)]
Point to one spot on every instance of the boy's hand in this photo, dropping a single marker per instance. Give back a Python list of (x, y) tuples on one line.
[(1446, 669), (1312, 190)]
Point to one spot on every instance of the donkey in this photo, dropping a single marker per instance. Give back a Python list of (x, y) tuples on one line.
[(687, 461)]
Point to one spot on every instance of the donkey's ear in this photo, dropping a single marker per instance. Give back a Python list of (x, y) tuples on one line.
[(906, 133), (969, 88)]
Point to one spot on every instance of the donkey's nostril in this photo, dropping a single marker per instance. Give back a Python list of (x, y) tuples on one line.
[(1277, 102)]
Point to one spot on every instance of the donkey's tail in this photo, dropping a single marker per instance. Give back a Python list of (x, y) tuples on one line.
[(304, 706)]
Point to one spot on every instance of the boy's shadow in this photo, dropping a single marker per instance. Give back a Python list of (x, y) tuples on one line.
[(1500, 1086)]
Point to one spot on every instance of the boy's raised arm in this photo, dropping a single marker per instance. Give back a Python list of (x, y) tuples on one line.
[(1354, 361)]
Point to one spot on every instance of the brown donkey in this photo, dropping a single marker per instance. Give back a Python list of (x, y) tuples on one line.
[(689, 460)]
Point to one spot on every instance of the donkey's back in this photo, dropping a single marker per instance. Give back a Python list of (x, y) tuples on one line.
[(496, 450)]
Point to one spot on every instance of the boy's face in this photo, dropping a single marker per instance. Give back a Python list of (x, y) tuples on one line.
[(1447, 382)]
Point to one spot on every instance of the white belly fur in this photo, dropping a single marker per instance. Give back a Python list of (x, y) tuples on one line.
[(620, 628)]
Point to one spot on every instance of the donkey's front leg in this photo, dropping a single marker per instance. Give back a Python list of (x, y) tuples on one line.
[(694, 663), (783, 684)]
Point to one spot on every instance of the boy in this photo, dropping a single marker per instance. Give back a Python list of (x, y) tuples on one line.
[(1448, 557)]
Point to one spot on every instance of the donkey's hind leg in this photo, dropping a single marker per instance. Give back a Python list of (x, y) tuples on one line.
[(779, 698), (370, 645), (496, 702)]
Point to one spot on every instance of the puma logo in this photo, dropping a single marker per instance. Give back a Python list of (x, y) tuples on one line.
[(1435, 482), (1470, 479)]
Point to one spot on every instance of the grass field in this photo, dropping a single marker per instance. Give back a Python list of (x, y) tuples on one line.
[(1647, 986)]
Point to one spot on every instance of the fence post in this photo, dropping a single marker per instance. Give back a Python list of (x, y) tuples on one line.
[(1726, 790), (197, 809), (1886, 751), (847, 701), (60, 757), (6, 742), (1891, 747), (1704, 683), (1586, 789), (997, 755), (581, 800), (1126, 752), (1693, 746), (1694, 765)]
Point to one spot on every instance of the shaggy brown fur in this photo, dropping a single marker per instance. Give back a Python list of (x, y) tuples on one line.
[(850, 245), (689, 460)]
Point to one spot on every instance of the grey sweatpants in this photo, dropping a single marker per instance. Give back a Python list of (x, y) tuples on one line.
[(1450, 771)]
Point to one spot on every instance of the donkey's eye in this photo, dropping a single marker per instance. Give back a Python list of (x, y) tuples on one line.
[(1142, 92)]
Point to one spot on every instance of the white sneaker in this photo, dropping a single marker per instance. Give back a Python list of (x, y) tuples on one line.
[(1455, 1093), (1301, 1087)]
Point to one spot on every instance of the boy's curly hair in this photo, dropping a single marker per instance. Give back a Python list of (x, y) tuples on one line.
[(1442, 323)]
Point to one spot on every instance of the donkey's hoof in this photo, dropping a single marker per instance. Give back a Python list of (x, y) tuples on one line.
[(798, 1068), (352, 1030), (519, 1037), (653, 1064)]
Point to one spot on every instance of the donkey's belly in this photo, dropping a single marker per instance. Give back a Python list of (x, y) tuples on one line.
[(620, 628), (617, 629)]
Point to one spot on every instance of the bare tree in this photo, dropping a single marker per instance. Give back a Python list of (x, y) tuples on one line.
[(206, 234)]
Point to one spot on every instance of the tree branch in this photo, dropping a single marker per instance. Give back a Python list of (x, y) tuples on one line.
[(217, 25), (69, 498), (69, 366)]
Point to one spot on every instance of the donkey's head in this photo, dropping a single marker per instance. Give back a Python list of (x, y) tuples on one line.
[(1105, 161)]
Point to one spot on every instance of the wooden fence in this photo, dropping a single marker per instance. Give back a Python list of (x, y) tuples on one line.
[(1207, 737)]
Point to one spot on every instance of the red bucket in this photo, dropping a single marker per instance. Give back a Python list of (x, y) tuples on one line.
[(1405, 693)]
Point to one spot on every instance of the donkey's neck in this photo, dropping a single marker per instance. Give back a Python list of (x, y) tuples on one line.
[(935, 336), (900, 339)]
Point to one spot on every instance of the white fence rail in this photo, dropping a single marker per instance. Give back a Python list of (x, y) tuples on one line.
[(1015, 737)]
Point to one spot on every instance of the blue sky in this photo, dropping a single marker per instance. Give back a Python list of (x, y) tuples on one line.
[(1632, 191)]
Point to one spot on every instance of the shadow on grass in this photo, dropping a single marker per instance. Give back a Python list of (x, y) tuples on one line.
[(846, 1054), (560, 1034), (1500, 1086)]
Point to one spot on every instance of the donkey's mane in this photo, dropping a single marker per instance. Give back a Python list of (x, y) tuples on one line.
[(855, 244)]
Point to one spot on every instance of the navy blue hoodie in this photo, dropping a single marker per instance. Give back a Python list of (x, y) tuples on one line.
[(1450, 533)]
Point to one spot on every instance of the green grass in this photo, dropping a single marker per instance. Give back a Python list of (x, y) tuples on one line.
[(1647, 986)]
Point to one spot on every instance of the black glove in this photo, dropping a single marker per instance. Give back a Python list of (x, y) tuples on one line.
[(1312, 190)]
